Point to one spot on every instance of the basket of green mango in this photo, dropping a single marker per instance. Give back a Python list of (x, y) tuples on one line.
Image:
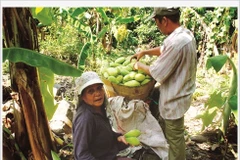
[(121, 80)]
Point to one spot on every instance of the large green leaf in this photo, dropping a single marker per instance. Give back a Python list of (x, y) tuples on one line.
[(36, 59), (216, 62), (103, 14), (83, 55), (231, 99), (215, 100), (208, 116), (103, 32), (123, 20), (78, 11), (46, 78), (43, 14), (55, 156), (233, 102)]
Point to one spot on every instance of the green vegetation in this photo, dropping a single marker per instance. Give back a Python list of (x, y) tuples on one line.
[(74, 40), (110, 33)]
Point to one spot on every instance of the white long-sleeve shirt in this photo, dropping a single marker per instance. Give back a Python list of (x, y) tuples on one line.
[(175, 69)]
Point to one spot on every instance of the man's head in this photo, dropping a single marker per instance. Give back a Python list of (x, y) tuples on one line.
[(167, 18), (164, 11)]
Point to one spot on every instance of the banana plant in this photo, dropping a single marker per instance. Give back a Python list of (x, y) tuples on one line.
[(95, 26), (47, 67)]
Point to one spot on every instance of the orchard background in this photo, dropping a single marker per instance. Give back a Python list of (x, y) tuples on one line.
[(47, 46)]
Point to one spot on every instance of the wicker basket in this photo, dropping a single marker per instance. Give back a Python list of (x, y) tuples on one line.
[(141, 92)]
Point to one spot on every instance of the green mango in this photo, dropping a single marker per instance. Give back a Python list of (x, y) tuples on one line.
[(139, 77), (132, 74), (133, 141), (112, 71), (133, 133), (120, 60), (113, 79), (147, 76), (127, 78), (126, 62), (119, 78), (128, 68), (112, 64), (105, 75), (132, 83), (123, 71), (145, 81)]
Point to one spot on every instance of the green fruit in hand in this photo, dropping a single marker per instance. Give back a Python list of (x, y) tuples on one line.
[(133, 141), (132, 133)]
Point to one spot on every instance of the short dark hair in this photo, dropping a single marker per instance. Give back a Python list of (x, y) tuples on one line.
[(174, 18)]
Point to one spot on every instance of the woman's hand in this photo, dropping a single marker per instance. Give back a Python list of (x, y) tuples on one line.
[(122, 139)]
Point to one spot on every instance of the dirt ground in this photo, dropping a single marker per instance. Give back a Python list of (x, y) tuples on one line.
[(208, 144)]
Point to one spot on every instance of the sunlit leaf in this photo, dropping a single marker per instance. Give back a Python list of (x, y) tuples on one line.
[(55, 156), (216, 62), (233, 102), (43, 14), (103, 14), (46, 78), (122, 20), (137, 17), (38, 10), (208, 116), (215, 100), (83, 55), (78, 11), (235, 113), (36, 59), (102, 32)]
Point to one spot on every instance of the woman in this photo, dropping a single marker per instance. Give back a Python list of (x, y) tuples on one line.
[(93, 137)]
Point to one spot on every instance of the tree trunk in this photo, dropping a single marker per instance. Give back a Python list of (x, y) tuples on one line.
[(32, 126)]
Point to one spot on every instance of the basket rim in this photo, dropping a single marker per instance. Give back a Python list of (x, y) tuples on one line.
[(139, 92)]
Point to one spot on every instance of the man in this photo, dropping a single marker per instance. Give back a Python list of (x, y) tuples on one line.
[(175, 70)]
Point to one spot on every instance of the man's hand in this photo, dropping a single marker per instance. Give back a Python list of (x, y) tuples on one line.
[(142, 67), (137, 56), (136, 66)]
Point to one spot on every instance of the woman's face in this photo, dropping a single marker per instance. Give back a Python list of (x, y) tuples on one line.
[(94, 95)]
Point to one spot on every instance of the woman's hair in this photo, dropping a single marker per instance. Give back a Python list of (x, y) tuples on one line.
[(174, 18)]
